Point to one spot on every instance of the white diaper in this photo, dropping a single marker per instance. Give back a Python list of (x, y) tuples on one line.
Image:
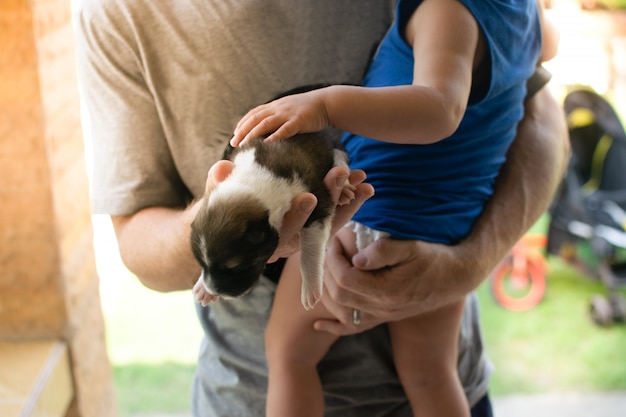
[(364, 234)]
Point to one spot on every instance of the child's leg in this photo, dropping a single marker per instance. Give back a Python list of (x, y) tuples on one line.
[(293, 349), (425, 350)]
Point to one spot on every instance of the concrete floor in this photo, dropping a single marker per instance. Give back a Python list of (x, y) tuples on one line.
[(541, 405), (566, 405)]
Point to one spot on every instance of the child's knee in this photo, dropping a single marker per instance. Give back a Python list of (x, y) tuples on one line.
[(429, 375)]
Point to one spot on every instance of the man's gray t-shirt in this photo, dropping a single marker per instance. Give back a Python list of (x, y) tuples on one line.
[(164, 83)]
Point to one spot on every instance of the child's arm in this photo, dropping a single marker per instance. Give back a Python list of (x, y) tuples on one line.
[(444, 37), (550, 34)]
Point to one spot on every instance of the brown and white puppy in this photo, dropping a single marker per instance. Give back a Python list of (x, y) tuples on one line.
[(237, 228)]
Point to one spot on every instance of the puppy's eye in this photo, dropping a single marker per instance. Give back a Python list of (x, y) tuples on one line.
[(256, 237)]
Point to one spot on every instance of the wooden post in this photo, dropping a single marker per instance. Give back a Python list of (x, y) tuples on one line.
[(48, 282)]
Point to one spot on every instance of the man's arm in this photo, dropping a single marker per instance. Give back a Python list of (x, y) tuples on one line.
[(154, 242), (526, 185), (394, 279)]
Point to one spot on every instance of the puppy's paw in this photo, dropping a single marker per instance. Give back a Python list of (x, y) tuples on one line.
[(202, 295), (310, 295), (347, 194)]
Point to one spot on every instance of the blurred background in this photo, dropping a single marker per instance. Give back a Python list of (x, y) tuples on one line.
[(552, 356)]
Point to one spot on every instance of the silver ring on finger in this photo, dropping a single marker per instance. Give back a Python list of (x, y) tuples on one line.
[(356, 317)]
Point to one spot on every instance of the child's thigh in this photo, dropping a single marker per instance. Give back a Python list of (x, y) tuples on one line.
[(290, 334), (348, 241), (428, 341)]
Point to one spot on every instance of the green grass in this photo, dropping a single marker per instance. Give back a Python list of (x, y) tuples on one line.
[(153, 340), (157, 388), (555, 346)]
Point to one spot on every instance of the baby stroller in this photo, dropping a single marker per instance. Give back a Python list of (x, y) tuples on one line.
[(588, 216)]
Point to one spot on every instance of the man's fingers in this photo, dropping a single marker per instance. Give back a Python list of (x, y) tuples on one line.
[(330, 326), (301, 208), (381, 254), (334, 180), (218, 173), (341, 284), (336, 264), (336, 327), (339, 327)]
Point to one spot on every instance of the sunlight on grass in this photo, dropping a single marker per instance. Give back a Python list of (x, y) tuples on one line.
[(156, 388), (153, 342), (149, 327)]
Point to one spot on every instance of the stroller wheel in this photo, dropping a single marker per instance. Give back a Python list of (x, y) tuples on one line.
[(618, 306), (600, 310)]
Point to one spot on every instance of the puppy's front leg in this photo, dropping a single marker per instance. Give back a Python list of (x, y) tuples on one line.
[(202, 295), (313, 240)]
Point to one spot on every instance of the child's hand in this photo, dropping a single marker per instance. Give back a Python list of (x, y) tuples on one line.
[(283, 118)]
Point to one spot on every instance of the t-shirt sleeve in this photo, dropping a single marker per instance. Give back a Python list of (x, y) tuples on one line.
[(131, 163)]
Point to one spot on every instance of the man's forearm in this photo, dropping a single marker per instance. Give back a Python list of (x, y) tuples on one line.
[(154, 245), (154, 242), (526, 185)]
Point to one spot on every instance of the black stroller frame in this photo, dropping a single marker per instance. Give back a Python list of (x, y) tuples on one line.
[(588, 215)]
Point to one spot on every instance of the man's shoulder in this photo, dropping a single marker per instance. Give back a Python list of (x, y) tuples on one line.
[(111, 10), (91, 8)]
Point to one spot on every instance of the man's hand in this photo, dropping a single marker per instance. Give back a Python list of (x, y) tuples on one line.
[(389, 280)]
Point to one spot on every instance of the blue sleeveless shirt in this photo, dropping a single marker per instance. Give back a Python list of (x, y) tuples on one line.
[(435, 192)]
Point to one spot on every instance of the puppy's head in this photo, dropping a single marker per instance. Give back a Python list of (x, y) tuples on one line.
[(232, 239)]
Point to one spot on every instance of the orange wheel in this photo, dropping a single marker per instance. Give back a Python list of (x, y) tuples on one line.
[(508, 292)]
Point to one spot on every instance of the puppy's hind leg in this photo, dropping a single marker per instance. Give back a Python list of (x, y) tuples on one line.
[(313, 240)]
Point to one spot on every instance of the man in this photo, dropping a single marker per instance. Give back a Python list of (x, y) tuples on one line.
[(165, 83)]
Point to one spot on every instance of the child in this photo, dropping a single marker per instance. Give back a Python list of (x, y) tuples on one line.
[(431, 127)]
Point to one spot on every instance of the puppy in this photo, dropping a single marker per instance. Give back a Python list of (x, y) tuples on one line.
[(237, 227)]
